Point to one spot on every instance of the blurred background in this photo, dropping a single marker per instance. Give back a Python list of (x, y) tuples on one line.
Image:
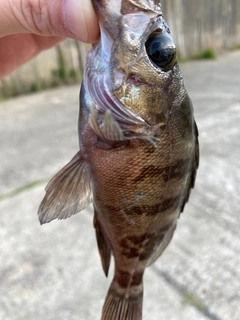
[(200, 29), (53, 271)]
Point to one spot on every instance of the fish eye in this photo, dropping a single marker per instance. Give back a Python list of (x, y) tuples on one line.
[(161, 50)]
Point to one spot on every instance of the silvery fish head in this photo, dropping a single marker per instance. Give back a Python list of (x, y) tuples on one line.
[(133, 69)]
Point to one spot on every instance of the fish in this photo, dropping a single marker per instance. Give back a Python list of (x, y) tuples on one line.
[(138, 148)]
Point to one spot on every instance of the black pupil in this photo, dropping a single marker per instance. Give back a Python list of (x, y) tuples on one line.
[(161, 50)]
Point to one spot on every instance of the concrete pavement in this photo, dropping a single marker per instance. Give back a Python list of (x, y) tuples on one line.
[(53, 271)]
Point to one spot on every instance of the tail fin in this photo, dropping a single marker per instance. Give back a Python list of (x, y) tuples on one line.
[(123, 303)]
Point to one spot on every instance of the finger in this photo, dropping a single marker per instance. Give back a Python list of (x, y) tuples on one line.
[(63, 18), (27, 46)]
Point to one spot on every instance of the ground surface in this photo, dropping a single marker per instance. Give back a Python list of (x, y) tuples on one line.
[(53, 271)]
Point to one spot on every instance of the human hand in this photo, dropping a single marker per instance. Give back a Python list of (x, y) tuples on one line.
[(28, 27)]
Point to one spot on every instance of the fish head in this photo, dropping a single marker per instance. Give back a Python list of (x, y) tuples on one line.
[(137, 58)]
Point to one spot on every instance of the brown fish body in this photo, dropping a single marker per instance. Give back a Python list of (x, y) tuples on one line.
[(139, 191), (138, 148)]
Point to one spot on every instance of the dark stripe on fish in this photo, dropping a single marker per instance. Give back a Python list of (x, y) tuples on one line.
[(151, 210), (127, 279), (170, 203), (177, 170), (140, 246)]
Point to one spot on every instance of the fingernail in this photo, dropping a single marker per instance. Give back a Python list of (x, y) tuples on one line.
[(74, 19)]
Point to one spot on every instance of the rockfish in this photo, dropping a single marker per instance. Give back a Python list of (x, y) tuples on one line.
[(138, 148)]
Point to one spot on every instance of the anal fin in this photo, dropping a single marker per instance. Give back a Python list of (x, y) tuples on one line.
[(67, 193), (104, 247)]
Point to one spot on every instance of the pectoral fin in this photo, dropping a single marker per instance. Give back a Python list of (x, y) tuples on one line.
[(67, 193), (110, 130)]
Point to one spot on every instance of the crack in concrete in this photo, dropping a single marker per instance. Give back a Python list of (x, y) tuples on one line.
[(188, 296)]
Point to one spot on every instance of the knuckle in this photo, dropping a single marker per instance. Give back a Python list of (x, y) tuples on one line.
[(34, 15)]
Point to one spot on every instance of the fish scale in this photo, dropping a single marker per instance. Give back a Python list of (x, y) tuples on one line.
[(138, 148)]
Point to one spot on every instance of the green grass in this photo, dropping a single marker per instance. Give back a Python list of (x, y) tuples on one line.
[(206, 54), (21, 189), (64, 76), (60, 76), (235, 47), (193, 300), (36, 87)]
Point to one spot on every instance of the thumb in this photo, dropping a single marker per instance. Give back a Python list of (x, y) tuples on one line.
[(63, 18)]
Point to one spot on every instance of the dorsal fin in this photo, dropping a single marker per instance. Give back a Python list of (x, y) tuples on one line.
[(67, 193)]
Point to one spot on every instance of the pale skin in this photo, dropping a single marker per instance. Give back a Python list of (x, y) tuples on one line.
[(28, 27)]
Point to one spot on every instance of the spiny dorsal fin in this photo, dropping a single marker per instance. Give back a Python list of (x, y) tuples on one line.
[(67, 193), (194, 167)]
